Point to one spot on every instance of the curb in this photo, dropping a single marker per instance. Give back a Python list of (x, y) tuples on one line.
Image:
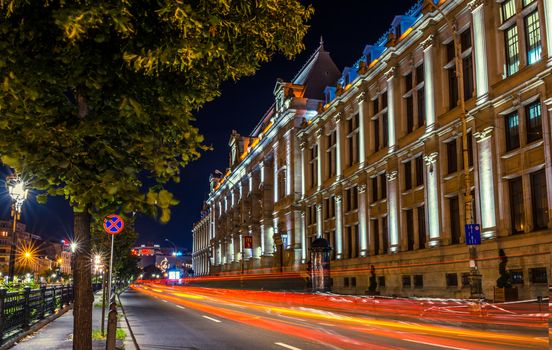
[(127, 344), (36, 327)]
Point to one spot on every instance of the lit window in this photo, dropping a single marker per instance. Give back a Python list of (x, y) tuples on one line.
[(533, 37), (533, 121), (508, 9), (512, 50), (512, 131)]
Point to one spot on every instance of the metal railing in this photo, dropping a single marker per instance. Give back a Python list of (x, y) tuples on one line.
[(19, 310)]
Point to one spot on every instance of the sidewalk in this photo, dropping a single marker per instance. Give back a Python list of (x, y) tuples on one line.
[(58, 334)]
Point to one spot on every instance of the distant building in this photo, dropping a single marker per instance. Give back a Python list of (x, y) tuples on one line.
[(371, 159), (161, 257), (201, 245)]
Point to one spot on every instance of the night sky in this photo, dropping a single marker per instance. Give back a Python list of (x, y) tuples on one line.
[(346, 27)]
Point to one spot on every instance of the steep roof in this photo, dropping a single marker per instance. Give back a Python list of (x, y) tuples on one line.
[(319, 71)]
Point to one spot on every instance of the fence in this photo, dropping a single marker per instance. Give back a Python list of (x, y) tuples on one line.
[(21, 309)]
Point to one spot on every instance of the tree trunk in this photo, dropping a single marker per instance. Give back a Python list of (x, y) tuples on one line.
[(82, 280)]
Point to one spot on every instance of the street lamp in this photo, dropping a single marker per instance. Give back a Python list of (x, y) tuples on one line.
[(18, 194), (476, 291)]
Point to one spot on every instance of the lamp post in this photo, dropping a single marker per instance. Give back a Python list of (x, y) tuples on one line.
[(18, 194), (476, 291)]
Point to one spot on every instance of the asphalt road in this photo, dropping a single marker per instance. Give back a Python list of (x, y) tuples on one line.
[(169, 318)]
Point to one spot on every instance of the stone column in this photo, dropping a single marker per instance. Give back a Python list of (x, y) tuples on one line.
[(318, 220), (319, 133), (362, 115), (303, 237), (427, 46), (338, 145), (480, 55), (390, 76), (362, 225), (275, 182), (338, 227), (486, 182), (303, 167), (548, 27), (432, 198), (393, 211), (289, 162)]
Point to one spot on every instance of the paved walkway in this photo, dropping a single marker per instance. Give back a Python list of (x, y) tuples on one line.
[(57, 334)]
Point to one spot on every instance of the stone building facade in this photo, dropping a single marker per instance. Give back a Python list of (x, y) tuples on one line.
[(200, 246), (371, 158)]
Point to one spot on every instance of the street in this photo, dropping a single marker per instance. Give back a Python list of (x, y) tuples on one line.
[(164, 317)]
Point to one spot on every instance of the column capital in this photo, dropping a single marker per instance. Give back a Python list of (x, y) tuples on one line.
[(319, 133), (484, 134), (431, 158), (361, 188), (318, 206), (475, 4), (390, 74), (428, 42), (391, 176), (338, 198), (362, 96), (338, 117)]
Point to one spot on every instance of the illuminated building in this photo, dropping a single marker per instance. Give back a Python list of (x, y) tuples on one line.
[(372, 159), (200, 245)]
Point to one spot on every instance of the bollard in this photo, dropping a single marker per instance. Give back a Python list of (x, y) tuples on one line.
[(111, 327)]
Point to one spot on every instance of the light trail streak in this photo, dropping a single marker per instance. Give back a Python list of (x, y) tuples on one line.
[(364, 325)]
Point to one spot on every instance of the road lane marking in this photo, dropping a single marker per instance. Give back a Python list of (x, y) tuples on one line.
[(181, 307), (164, 301), (284, 345), (212, 319), (433, 344)]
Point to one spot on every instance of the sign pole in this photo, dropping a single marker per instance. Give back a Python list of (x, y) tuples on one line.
[(111, 267)]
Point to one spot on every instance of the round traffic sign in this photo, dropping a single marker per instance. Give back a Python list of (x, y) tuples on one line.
[(113, 224)]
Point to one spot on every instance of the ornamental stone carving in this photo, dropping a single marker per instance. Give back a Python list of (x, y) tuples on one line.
[(428, 42), (391, 176), (484, 134), (431, 158)]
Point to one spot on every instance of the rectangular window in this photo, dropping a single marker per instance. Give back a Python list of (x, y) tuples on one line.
[(420, 73), (516, 205), (374, 181), (418, 281), (465, 40), (349, 241), (533, 37), (407, 176), (376, 235), (406, 281), (352, 140), (408, 82), (346, 282), (533, 121), (539, 201), (527, 2), (512, 50), (465, 279), (409, 114), (331, 154), (383, 185), (313, 166), (470, 149), (512, 131), (375, 105), (452, 157), (375, 125), (421, 106), (410, 228), (421, 228), (419, 171), (453, 88), (326, 208), (452, 279), (508, 9), (353, 282), (381, 281), (454, 214), (538, 275)]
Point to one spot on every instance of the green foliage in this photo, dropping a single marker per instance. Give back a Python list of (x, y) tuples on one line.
[(96, 97), (120, 334)]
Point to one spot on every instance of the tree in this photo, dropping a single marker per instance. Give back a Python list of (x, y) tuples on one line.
[(97, 98)]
